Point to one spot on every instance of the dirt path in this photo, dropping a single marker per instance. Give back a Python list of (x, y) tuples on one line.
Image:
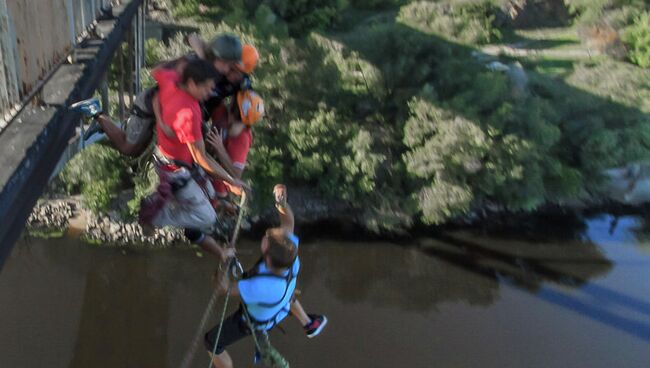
[(520, 50)]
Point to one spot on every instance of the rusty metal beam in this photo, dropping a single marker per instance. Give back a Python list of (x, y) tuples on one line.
[(35, 36), (31, 146)]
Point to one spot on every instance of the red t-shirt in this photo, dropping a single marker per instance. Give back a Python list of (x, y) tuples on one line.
[(237, 148), (181, 112)]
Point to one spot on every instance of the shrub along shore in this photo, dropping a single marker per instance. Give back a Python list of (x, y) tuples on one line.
[(390, 111)]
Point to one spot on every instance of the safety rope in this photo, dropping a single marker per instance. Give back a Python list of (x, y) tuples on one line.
[(223, 316), (189, 355)]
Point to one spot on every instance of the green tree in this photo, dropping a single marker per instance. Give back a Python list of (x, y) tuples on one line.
[(334, 154), (469, 22), (444, 151), (98, 173), (637, 38)]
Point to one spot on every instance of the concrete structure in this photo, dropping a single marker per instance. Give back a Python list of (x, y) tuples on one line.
[(53, 52)]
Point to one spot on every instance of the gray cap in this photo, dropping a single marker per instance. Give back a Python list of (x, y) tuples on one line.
[(227, 47)]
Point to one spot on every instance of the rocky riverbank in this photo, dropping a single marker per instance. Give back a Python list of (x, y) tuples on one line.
[(67, 215), (629, 188), (53, 217)]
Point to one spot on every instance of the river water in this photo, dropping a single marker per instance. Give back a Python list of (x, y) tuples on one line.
[(462, 299)]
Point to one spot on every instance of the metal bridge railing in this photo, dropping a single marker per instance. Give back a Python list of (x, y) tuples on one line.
[(36, 36)]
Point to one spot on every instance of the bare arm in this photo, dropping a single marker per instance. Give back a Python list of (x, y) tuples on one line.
[(284, 210), (159, 122), (214, 139), (197, 44), (197, 149)]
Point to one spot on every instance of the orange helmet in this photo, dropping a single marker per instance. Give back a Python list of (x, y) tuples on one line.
[(249, 58), (251, 107)]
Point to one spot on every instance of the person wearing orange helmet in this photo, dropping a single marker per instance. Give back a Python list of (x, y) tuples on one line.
[(236, 74), (231, 137)]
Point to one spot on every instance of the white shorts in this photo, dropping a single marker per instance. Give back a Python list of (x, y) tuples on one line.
[(190, 208)]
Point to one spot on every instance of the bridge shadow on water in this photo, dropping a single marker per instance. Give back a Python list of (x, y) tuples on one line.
[(471, 267), (540, 277)]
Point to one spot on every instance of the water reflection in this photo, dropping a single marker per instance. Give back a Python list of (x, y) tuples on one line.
[(642, 232), (387, 275), (98, 307), (530, 266), (455, 267)]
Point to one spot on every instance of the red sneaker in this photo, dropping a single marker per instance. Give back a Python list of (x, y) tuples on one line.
[(313, 328)]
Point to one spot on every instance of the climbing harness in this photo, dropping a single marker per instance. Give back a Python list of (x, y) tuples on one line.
[(270, 356), (287, 280)]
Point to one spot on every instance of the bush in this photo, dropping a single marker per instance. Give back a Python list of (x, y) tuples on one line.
[(466, 22), (637, 38), (376, 4), (589, 11), (145, 183), (401, 123), (303, 16), (356, 75), (443, 150), (97, 174), (333, 154)]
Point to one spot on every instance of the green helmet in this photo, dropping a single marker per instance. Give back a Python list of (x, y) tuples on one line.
[(227, 47)]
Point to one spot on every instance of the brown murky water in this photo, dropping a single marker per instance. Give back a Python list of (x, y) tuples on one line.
[(458, 301)]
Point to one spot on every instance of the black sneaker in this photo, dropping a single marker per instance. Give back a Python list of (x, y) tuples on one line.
[(313, 328)]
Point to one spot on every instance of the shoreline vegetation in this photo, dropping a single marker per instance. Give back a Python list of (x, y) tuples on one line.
[(395, 114)]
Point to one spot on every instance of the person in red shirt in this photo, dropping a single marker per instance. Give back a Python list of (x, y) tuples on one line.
[(232, 136), (180, 153)]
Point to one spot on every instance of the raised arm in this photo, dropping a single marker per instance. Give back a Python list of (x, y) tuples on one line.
[(197, 44), (284, 210)]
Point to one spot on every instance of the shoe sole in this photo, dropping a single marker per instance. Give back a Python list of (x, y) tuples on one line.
[(77, 104), (319, 329)]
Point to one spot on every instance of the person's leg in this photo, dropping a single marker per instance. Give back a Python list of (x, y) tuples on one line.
[(233, 329), (208, 244), (299, 312), (100, 122), (222, 360), (114, 133), (312, 324)]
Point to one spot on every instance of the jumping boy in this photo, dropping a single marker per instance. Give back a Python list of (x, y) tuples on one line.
[(266, 291), (180, 154)]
